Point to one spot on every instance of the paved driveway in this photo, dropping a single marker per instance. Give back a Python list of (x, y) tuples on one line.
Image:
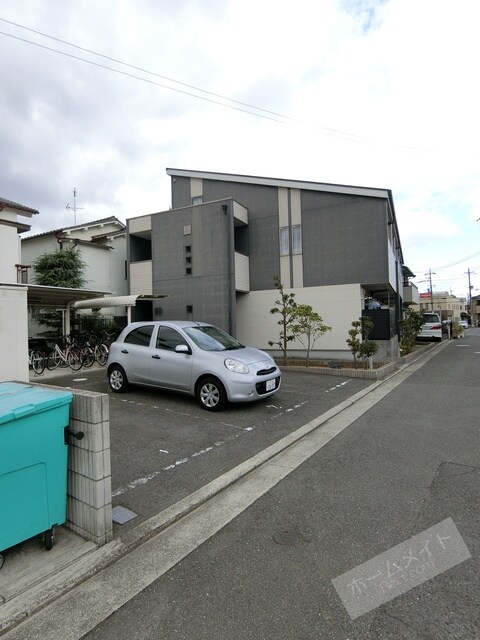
[(164, 446)]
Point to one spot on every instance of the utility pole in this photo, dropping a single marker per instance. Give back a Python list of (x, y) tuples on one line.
[(470, 287), (68, 207), (430, 274)]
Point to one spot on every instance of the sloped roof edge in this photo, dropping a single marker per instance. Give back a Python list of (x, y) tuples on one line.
[(93, 223), (18, 207), (281, 182)]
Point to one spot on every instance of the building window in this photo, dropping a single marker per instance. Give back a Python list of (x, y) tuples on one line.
[(22, 273), (297, 239), (284, 241), (188, 271)]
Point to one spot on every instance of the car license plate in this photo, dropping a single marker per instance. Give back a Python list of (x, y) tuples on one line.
[(270, 385)]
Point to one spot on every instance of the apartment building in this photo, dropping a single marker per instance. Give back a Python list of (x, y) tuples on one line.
[(216, 251)]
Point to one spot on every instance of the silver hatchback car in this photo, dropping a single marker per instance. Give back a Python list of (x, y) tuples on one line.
[(194, 358)]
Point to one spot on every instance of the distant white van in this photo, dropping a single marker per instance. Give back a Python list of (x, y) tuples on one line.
[(432, 327)]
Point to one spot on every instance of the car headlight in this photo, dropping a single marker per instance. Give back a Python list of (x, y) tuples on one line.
[(235, 366)]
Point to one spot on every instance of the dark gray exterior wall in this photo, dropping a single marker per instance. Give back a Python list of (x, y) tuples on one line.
[(344, 239), (181, 192), (344, 236), (262, 204), (208, 288)]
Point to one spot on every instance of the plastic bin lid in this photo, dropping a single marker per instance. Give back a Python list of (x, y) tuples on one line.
[(18, 400)]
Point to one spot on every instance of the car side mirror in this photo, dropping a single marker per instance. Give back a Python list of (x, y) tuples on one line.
[(182, 348)]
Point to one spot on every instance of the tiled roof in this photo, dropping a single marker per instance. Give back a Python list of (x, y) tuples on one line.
[(16, 205), (93, 223)]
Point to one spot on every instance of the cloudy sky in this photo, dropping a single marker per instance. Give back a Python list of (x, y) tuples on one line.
[(103, 96)]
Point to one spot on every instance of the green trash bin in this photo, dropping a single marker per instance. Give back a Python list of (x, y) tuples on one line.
[(33, 462)]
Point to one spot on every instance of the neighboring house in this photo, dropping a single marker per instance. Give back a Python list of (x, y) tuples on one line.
[(215, 254), (10, 228), (102, 245), (13, 296), (448, 306)]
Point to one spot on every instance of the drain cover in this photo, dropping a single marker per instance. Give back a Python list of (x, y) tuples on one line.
[(122, 515)]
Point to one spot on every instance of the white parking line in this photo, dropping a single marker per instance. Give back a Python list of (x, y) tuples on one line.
[(138, 482)]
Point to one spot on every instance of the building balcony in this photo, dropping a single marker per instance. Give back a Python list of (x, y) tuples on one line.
[(242, 273), (410, 294), (141, 277), (240, 213)]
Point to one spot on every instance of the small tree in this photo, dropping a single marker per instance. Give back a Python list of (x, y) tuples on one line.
[(286, 307), (64, 268), (360, 344), (308, 327), (354, 341), (409, 329), (457, 329)]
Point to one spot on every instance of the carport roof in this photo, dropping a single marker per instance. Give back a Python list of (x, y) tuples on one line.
[(116, 301), (41, 296)]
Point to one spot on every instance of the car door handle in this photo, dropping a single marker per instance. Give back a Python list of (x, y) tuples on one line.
[(124, 351), (156, 357)]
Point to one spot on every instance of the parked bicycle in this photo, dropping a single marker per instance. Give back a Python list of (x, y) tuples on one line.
[(99, 348), (82, 342), (36, 361), (69, 355), (101, 354)]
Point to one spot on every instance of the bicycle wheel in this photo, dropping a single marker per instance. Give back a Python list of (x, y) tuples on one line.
[(52, 360), (38, 362), (101, 354), (88, 357), (75, 359)]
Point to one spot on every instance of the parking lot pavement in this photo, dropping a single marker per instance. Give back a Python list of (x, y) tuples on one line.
[(164, 446)]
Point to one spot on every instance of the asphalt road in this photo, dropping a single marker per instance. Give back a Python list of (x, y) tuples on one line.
[(405, 465), (164, 446)]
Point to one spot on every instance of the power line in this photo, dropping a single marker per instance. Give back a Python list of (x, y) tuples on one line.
[(454, 264), (131, 66), (243, 106), (131, 75)]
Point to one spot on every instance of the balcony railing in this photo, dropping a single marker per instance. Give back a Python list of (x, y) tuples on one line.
[(141, 277), (410, 294), (242, 272)]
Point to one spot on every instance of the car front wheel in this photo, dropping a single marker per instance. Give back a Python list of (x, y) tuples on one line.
[(211, 394), (117, 379)]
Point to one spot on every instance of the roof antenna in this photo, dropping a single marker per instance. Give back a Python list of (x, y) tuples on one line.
[(68, 207)]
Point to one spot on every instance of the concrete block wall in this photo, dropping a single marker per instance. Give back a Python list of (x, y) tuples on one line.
[(89, 491), (89, 480)]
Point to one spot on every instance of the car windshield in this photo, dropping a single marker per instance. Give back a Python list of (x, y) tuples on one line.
[(211, 338), (430, 317)]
